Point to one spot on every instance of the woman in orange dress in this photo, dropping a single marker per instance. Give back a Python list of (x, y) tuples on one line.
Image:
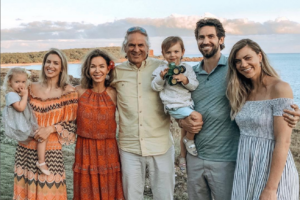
[(97, 174), (54, 103)]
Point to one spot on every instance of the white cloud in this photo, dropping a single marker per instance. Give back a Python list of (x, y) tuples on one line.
[(157, 27), (280, 43)]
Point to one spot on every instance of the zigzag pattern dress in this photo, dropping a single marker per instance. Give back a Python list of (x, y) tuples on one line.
[(29, 182)]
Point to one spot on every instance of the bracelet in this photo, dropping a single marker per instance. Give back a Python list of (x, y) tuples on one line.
[(179, 123)]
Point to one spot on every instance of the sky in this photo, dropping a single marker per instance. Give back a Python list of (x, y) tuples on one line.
[(36, 25)]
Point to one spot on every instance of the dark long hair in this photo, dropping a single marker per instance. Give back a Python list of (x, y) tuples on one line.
[(86, 80)]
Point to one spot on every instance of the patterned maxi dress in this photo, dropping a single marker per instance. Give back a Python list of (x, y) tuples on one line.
[(256, 146), (97, 172), (29, 182)]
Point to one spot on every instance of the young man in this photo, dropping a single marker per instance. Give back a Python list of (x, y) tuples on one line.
[(210, 175), (144, 137)]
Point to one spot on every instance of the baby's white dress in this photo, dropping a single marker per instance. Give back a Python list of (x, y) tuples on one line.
[(19, 126)]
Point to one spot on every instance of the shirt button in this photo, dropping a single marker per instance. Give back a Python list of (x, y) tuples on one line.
[(140, 96), (141, 138), (140, 83), (140, 111), (141, 125)]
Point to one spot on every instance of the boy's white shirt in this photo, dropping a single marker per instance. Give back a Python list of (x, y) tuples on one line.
[(175, 96)]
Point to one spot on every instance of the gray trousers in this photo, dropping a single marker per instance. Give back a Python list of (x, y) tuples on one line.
[(209, 180), (161, 175)]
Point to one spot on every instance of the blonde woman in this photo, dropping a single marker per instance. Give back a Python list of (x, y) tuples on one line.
[(265, 169), (54, 104)]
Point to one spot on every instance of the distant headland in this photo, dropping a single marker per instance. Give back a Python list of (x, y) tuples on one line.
[(74, 56)]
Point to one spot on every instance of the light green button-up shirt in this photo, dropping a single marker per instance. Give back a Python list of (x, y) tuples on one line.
[(143, 125)]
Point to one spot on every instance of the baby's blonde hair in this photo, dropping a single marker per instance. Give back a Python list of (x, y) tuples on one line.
[(15, 70)]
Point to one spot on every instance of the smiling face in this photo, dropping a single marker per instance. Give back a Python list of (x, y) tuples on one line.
[(174, 54), (136, 48), (208, 41), (52, 67), (98, 69), (247, 62), (17, 81)]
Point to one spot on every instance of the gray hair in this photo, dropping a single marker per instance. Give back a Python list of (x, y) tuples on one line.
[(125, 42)]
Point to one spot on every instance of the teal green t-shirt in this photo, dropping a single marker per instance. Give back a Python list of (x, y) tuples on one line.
[(218, 140)]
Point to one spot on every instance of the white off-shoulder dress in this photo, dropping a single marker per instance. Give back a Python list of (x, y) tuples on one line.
[(255, 151)]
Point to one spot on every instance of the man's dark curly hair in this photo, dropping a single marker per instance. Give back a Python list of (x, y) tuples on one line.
[(211, 22)]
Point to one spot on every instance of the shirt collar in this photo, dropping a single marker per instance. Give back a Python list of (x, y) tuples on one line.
[(144, 63), (222, 62)]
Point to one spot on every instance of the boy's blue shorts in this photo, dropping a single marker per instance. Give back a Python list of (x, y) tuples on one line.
[(180, 113)]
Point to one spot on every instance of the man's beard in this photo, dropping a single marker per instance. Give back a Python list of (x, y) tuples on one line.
[(211, 53)]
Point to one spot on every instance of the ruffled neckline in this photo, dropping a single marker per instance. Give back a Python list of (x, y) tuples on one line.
[(97, 93), (266, 100), (50, 98)]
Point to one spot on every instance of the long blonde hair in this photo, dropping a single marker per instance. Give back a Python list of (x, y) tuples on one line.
[(63, 79), (238, 86), (16, 70)]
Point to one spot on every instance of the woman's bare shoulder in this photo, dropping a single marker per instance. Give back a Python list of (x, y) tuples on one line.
[(111, 90), (35, 86), (112, 93), (281, 89), (69, 88)]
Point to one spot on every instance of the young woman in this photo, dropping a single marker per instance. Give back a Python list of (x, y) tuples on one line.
[(54, 104), (265, 169)]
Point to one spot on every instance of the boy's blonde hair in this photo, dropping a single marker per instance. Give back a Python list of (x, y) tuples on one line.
[(170, 41), (15, 70)]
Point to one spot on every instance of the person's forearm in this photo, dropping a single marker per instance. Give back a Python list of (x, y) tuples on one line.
[(157, 84), (51, 129), (278, 163), (20, 105)]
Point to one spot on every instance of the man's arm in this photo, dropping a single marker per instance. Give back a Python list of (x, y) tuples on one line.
[(292, 117)]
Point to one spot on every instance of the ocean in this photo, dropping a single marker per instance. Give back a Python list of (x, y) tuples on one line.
[(287, 66)]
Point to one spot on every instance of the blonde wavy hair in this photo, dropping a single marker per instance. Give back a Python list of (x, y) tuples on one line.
[(16, 70), (63, 79), (238, 86)]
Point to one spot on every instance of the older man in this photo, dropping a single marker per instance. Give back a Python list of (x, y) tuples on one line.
[(210, 175), (144, 137)]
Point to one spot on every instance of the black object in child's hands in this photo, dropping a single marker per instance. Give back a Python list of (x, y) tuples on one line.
[(174, 70)]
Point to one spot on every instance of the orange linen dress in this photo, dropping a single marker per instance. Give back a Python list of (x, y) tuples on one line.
[(97, 174), (29, 182)]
